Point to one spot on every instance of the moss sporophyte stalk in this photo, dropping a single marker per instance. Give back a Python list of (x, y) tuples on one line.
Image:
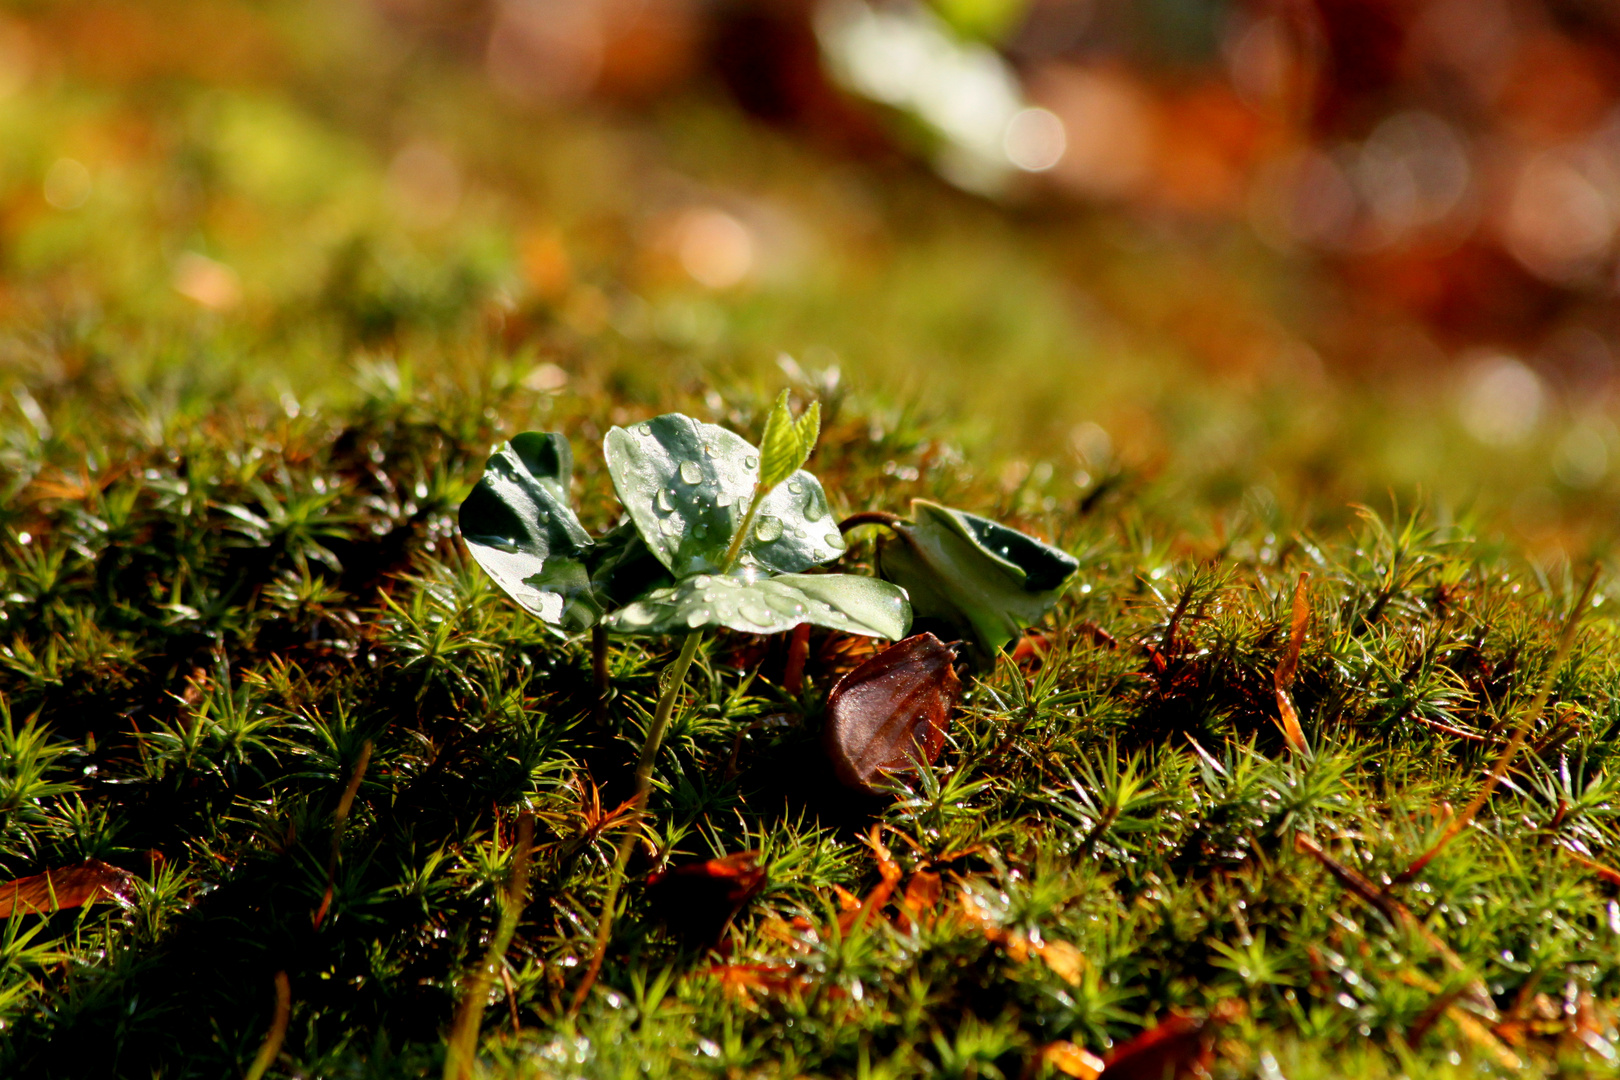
[(719, 533)]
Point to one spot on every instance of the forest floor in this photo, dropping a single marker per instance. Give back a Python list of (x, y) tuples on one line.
[(254, 686)]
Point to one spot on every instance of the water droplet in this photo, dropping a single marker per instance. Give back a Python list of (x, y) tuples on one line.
[(795, 487), (644, 429), (768, 529), (751, 461), (697, 617), (702, 580), (669, 527), (813, 510), (666, 501), (708, 451), (836, 541), (800, 533), (755, 613), (722, 499), (700, 530), (690, 472)]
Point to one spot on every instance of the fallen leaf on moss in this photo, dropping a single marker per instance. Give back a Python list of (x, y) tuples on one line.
[(698, 900), (1071, 1060), (67, 887), (892, 711), (1176, 1049)]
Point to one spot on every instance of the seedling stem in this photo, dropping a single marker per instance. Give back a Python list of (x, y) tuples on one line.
[(649, 754)]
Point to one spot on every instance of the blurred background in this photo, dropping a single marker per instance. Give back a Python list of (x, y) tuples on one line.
[(1271, 255)]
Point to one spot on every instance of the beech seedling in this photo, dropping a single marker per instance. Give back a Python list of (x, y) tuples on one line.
[(719, 533)]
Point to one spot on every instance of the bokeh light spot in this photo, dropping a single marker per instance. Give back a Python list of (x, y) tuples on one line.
[(1501, 401), (1035, 140), (67, 184)]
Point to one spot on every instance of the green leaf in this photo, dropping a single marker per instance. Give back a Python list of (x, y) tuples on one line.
[(519, 527), (974, 573), (687, 486), (770, 605), (786, 444)]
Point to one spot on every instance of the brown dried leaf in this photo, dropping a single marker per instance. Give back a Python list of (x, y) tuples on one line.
[(743, 981), (67, 887), (1288, 667), (922, 892), (888, 878), (1176, 1049), (892, 711), (1072, 1060), (698, 900), (1064, 959)]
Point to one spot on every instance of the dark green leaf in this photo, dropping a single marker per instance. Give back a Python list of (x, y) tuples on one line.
[(687, 486), (622, 568), (520, 528), (771, 605), (974, 573)]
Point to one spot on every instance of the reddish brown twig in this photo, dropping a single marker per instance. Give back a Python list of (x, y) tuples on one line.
[(278, 1029), (463, 1043), (798, 652), (339, 819)]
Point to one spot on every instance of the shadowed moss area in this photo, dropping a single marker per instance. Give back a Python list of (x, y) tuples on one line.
[(253, 356)]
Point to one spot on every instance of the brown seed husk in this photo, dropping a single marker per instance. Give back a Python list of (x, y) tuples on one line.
[(892, 712)]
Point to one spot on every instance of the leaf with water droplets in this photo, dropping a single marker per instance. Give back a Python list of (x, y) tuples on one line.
[(701, 478), (521, 530), (973, 573), (892, 712), (769, 605)]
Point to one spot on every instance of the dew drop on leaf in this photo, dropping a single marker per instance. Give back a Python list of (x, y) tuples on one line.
[(644, 429), (754, 613), (722, 499), (669, 527), (768, 529), (795, 487), (812, 509), (666, 501), (697, 617), (701, 580), (800, 533), (700, 530), (636, 615), (751, 461), (690, 472), (708, 451), (836, 540)]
